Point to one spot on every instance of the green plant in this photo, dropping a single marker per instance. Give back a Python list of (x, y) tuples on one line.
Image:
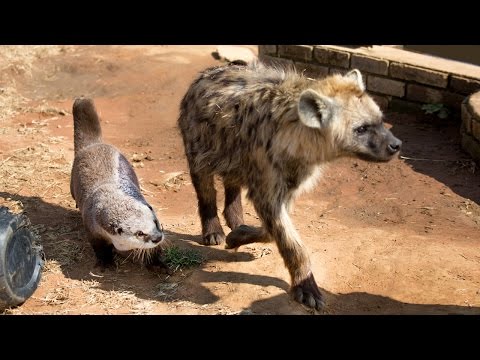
[(439, 109), (177, 258)]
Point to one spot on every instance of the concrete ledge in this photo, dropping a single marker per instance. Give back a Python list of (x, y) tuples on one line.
[(385, 86), (470, 128), (370, 65), (420, 60), (296, 52), (332, 57), (417, 74), (394, 75)]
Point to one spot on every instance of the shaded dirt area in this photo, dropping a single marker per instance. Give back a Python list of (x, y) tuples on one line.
[(395, 238)]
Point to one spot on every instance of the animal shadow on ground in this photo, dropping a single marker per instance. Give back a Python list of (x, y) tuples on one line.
[(63, 241), (432, 147), (361, 303)]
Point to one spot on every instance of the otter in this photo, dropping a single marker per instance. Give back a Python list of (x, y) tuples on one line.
[(116, 216)]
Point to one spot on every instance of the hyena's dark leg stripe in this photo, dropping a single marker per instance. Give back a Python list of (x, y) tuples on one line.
[(278, 224), (212, 231), (233, 211)]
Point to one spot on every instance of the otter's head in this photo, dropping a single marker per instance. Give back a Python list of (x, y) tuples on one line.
[(132, 225), (345, 113)]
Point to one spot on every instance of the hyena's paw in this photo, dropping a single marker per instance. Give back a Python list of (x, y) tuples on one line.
[(215, 238), (307, 293), (242, 235)]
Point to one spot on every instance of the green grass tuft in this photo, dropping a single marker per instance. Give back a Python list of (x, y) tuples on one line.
[(178, 258)]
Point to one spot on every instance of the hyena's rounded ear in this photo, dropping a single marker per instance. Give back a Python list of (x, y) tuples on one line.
[(315, 110), (357, 76)]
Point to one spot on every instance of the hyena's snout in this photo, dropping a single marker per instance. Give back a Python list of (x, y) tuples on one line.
[(390, 147), (394, 144), (379, 144)]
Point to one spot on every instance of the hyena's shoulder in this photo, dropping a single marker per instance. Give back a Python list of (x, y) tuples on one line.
[(251, 77)]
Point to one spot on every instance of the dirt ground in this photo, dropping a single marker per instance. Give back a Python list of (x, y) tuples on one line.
[(395, 238)]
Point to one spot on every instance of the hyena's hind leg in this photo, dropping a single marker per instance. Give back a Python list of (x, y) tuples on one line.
[(241, 234), (278, 225), (212, 232), (244, 234), (233, 211)]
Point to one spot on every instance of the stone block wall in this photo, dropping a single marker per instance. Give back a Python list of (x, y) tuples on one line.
[(394, 83), (470, 128), (397, 79)]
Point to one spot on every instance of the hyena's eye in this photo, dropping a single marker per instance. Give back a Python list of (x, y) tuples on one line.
[(119, 231), (361, 129), (139, 233)]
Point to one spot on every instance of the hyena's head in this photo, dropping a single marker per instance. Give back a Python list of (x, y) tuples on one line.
[(345, 113)]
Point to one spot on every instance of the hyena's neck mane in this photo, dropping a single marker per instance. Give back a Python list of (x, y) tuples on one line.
[(312, 145)]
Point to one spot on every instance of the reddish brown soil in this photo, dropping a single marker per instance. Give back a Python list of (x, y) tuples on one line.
[(395, 238)]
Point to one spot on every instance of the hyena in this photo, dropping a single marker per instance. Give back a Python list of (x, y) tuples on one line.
[(271, 130)]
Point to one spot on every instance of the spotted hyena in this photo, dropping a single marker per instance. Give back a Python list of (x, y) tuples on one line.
[(271, 130)]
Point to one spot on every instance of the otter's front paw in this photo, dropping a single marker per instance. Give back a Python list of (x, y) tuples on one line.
[(158, 264), (105, 263)]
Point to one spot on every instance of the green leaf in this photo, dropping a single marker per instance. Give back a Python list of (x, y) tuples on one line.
[(443, 114), (440, 109)]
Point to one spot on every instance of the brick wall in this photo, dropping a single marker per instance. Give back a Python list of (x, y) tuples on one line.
[(470, 128), (393, 84), (397, 81)]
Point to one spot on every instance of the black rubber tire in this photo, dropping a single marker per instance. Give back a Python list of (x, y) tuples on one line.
[(20, 262)]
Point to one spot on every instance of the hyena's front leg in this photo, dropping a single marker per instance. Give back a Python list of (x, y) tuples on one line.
[(212, 231), (279, 226)]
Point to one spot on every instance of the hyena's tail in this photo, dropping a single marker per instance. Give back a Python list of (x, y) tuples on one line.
[(86, 125)]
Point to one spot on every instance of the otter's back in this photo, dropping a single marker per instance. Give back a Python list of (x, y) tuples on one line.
[(93, 166)]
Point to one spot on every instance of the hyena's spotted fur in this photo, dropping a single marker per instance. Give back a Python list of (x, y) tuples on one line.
[(271, 131)]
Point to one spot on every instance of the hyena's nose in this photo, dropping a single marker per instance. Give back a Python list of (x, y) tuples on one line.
[(394, 146), (158, 238)]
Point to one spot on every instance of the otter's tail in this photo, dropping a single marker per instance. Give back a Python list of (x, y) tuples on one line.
[(86, 125)]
